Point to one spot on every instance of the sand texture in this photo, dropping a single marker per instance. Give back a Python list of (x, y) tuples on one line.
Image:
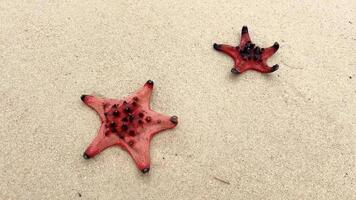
[(283, 136)]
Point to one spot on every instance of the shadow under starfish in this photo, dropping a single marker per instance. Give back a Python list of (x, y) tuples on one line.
[(248, 56)]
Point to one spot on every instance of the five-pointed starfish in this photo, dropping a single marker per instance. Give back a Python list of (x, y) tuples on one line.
[(128, 123), (248, 56)]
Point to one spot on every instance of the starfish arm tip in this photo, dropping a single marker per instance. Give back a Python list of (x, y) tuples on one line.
[(216, 46), (86, 156), (276, 46), (275, 67), (235, 71), (149, 83), (174, 119), (244, 29), (145, 170), (83, 97)]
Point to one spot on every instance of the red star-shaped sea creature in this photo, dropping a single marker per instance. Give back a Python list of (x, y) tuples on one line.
[(129, 123), (248, 56)]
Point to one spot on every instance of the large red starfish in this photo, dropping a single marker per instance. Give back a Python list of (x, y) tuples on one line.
[(248, 56), (128, 123)]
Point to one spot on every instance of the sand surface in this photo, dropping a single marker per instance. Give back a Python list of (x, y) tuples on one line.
[(287, 135)]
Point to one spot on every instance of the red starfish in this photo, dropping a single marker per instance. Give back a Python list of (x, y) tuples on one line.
[(248, 56), (128, 123)]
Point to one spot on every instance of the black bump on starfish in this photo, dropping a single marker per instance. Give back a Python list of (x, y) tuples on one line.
[(234, 71), (216, 46), (150, 82), (244, 30), (276, 45), (275, 67), (83, 97), (85, 156), (174, 119), (145, 170)]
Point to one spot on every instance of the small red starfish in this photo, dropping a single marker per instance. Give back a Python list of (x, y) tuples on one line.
[(128, 123), (248, 56)]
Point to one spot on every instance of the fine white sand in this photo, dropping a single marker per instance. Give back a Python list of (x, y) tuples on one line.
[(286, 135)]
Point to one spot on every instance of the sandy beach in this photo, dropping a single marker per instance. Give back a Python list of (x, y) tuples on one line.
[(288, 135)]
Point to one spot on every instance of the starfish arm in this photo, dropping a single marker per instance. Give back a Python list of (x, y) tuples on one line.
[(268, 52), (140, 147), (162, 122), (140, 153), (245, 37), (95, 103), (100, 143), (229, 50), (143, 95), (264, 68)]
